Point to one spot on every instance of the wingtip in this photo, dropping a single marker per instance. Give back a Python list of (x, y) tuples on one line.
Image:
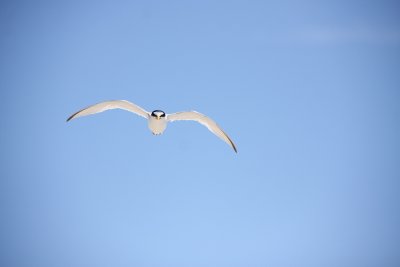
[(234, 148), (73, 115), (231, 143)]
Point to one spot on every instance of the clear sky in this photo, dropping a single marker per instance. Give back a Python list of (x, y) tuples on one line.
[(308, 91)]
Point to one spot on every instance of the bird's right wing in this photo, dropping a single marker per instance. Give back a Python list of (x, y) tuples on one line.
[(113, 104), (204, 120)]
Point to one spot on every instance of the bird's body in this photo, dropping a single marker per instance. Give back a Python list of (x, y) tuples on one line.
[(158, 119), (157, 124)]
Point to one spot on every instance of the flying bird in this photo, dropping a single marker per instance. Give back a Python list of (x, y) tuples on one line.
[(158, 119)]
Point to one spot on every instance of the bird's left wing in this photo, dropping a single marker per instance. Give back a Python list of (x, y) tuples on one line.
[(204, 120), (113, 104)]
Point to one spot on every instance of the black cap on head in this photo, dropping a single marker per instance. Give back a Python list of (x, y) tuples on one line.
[(158, 111)]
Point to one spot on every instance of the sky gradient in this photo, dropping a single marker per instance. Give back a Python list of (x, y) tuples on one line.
[(307, 90)]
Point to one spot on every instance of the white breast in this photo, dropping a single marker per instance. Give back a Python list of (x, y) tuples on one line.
[(157, 126)]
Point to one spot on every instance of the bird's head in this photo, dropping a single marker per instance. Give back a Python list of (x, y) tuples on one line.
[(158, 114)]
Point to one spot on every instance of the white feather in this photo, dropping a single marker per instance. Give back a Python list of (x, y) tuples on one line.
[(113, 104), (204, 120)]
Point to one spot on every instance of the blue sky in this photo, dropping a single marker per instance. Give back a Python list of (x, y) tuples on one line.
[(308, 91)]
